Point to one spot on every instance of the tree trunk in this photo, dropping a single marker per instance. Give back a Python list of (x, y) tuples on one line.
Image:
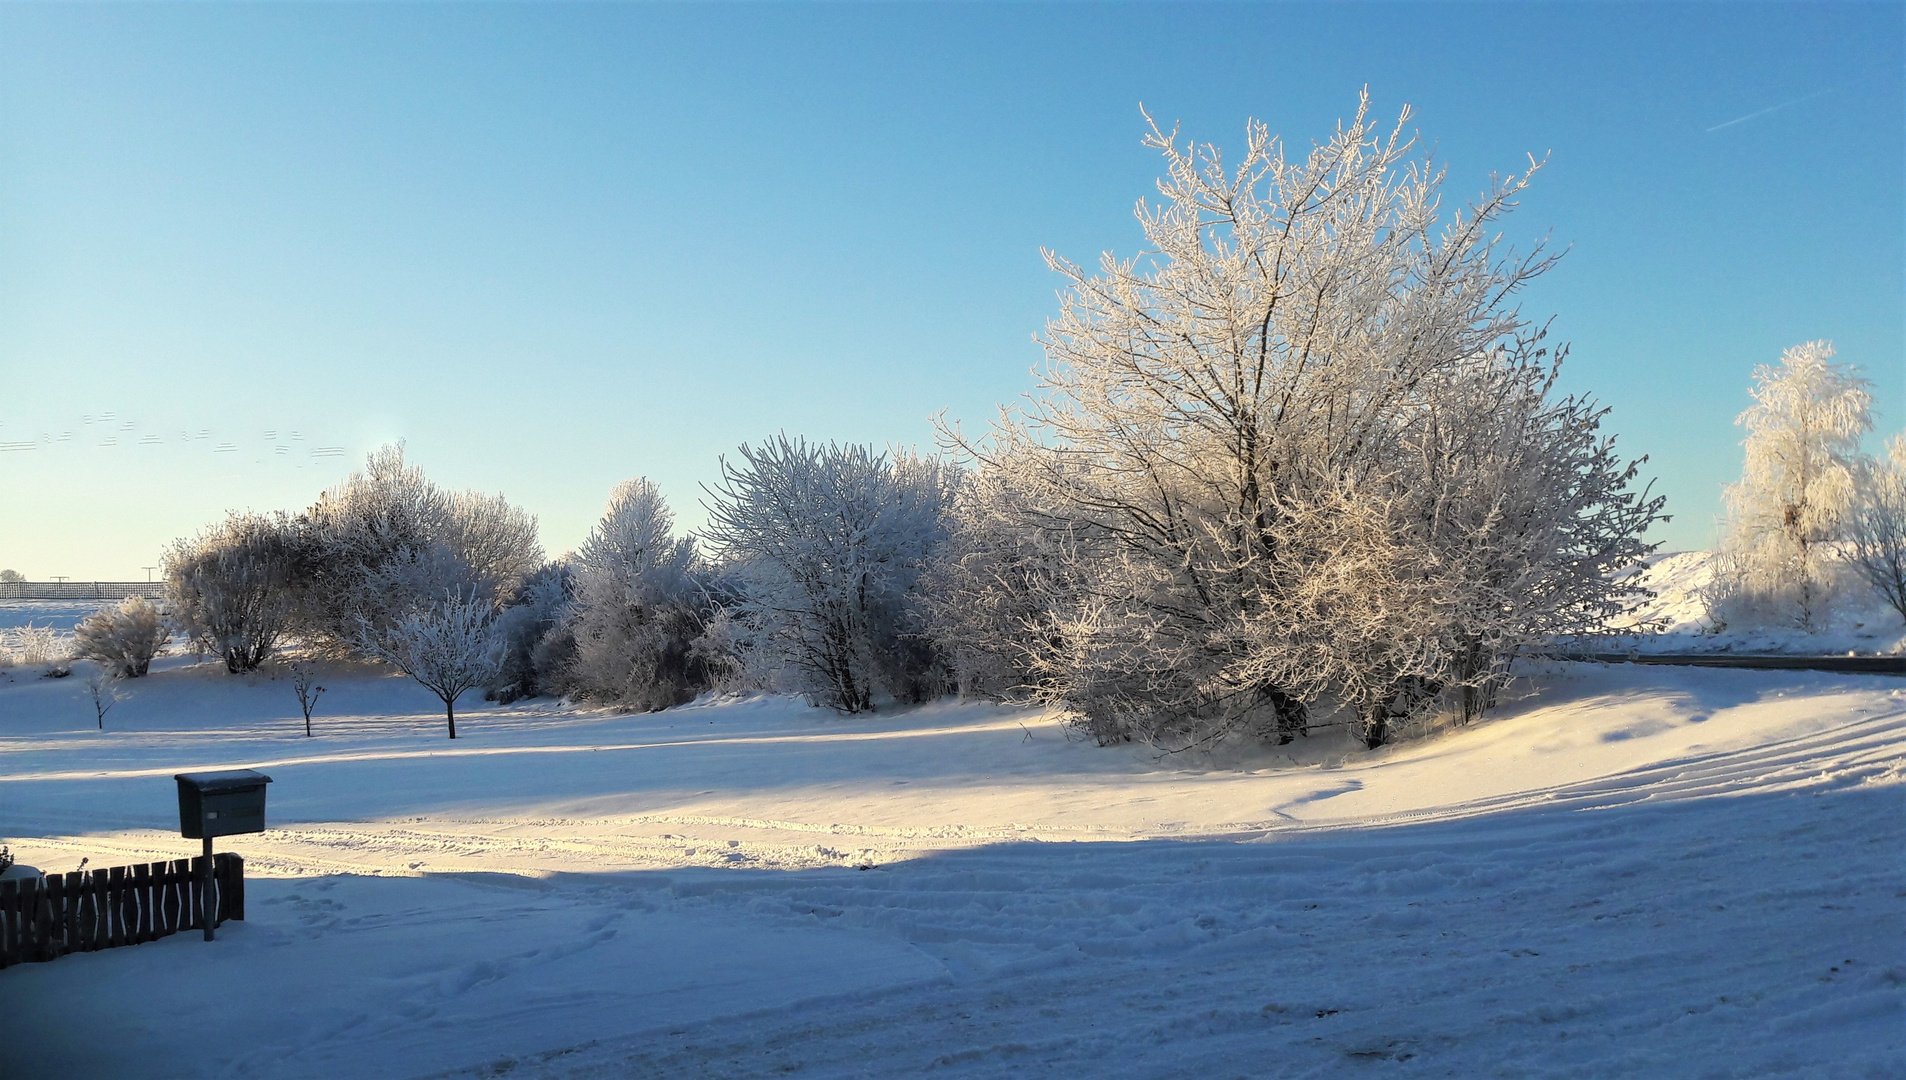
[(1376, 726), (450, 714)]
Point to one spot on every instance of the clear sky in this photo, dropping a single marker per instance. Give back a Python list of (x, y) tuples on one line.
[(556, 246)]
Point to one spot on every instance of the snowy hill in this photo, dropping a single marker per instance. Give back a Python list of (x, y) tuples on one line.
[(1862, 623), (1647, 872)]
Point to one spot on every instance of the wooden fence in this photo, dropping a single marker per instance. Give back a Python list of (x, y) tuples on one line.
[(46, 918)]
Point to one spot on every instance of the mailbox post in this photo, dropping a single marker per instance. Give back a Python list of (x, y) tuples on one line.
[(219, 804)]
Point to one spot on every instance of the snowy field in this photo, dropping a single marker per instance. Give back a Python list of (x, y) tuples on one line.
[(61, 615), (1627, 872)]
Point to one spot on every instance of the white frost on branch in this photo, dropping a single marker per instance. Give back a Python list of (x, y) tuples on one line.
[(1797, 492)]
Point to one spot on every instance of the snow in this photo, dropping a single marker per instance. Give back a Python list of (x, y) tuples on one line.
[(62, 615), (1862, 622), (1626, 871)]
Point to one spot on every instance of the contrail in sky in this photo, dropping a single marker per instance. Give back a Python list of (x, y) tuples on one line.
[(1772, 108)]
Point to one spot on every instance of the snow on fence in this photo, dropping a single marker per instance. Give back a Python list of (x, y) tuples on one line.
[(46, 918), (80, 590)]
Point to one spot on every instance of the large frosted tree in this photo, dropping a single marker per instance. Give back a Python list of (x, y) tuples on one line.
[(1798, 490), (1304, 451)]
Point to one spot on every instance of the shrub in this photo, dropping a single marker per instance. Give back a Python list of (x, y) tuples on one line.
[(231, 587), (123, 639), (532, 616)]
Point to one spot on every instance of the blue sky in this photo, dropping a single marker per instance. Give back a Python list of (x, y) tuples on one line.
[(555, 246)]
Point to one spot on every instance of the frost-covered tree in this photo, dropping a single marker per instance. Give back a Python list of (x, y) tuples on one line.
[(638, 609), (124, 639), (1876, 529), (387, 539), (994, 589), (449, 645), (304, 684), (1304, 452), (825, 545), (102, 690), (537, 647), (11, 577), (231, 588), (1797, 491)]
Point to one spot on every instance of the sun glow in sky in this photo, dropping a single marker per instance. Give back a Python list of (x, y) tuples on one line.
[(553, 247)]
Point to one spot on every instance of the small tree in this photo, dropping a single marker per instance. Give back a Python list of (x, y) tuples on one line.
[(1797, 490), (449, 646), (124, 639), (304, 684), (102, 689), (1876, 532), (11, 577)]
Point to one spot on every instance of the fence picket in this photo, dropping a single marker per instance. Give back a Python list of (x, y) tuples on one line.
[(9, 929), (49, 918), (139, 896)]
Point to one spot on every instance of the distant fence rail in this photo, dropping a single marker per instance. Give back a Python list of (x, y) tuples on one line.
[(47, 917), (80, 590)]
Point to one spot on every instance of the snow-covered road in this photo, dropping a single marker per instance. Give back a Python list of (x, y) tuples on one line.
[(1636, 872)]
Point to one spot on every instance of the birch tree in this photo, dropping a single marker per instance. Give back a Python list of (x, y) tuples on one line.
[(1798, 489)]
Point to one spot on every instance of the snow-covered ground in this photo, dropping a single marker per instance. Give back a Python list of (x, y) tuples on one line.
[(1860, 622), (1628, 872), (62, 615)]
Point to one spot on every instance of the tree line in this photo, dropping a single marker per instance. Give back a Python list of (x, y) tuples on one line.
[(1301, 461)]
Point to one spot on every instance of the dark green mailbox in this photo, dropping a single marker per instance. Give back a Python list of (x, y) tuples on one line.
[(221, 803)]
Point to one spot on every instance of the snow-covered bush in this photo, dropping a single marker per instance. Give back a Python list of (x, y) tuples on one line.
[(123, 639), (638, 608), (233, 587), (1797, 491), (448, 644), (1306, 454), (388, 539), (824, 545), (1876, 528), (39, 647)]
